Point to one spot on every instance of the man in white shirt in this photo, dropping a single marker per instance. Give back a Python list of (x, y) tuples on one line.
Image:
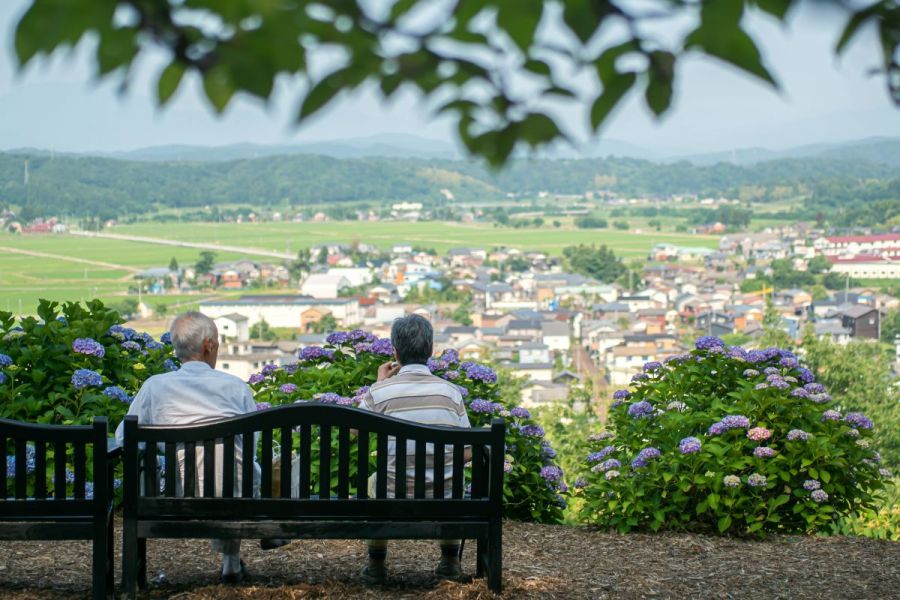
[(196, 394)]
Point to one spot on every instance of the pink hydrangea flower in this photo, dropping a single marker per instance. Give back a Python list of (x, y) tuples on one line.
[(758, 434)]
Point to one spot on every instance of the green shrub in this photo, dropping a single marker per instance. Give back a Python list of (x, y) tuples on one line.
[(732, 441), (341, 372)]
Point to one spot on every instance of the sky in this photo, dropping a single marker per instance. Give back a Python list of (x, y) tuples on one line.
[(58, 103)]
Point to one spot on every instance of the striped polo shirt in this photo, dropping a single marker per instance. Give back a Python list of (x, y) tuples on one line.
[(414, 394)]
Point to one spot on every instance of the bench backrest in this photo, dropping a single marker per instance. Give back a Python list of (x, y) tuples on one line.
[(338, 448), (48, 472)]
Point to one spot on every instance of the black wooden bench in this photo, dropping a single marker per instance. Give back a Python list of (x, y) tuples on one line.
[(37, 510), (338, 448)]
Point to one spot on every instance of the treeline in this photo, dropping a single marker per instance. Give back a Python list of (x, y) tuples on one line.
[(109, 188)]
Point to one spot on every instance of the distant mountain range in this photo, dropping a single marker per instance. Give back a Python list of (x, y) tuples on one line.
[(877, 150)]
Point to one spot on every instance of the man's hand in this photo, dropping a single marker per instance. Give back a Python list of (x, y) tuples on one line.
[(388, 370)]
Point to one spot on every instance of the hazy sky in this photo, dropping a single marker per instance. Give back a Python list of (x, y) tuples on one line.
[(58, 103)]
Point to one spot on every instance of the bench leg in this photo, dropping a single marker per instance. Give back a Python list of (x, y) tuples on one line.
[(129, 559), (480, 547), (142, 563), (495, 557), (110, 556), (99, 560)]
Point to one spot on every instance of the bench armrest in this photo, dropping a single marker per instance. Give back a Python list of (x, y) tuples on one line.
[(113, 448)]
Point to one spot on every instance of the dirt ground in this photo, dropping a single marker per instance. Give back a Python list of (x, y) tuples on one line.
[(539, 562)]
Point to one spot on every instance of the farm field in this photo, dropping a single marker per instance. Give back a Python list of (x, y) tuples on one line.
[(280, 237), (66, 267)]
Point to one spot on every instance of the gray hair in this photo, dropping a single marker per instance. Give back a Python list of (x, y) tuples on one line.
[(189, 331), (413, 339)]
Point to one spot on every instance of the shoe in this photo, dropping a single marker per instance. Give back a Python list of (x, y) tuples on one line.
[(374, 575), (448, 570), (235, 578), (273, 543)]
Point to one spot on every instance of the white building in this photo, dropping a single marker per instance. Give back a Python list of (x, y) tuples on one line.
[(283, 311), (324, 286), (866, 266), (357, 276), (233, 327), (556, 335), (886, 244), (534, 353)]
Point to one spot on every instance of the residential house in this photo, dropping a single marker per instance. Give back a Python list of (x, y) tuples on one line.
[(534, 353), (324, 286), (233, 327), (556, 335)]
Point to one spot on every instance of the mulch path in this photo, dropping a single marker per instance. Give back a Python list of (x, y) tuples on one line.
[(540, 562)]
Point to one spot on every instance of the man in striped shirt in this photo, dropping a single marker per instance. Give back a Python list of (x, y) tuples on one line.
[(406, 389)]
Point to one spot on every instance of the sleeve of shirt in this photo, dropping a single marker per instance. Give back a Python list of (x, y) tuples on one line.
[(140, 406), (367, 403), (249, 404), (464, 417)]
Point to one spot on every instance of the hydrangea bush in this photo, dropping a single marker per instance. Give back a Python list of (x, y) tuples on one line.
[(74, 362), (728, 440), (342, 371)]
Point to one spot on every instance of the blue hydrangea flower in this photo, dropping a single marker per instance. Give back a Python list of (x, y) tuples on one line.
[(154, 345), (641, 409), (799, 393), (736, 422), (382, 347), (532, 431), (551, 473), (269, 369), (819, 496), (3, 378), (312, 352), (603, 453), (858, 420), (288, 388), (789, 363), (84, 378), (814, 388), (805, 375), (610, 463), (450, 356), (130, 345), (170, 365), (797, 435), (644, 457), (520, 413), (117, 393), (357, 335), (263, 405), (708, 342), (621, 395), (653, 365), (5, 360), (580, 483), (256, 378), (478, 372), (337, 338), (479, 405), (639, 377), (547, 450), (689, 445), (89, 347), (166, 338)]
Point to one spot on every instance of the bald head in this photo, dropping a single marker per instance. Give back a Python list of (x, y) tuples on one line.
[(195, 337)]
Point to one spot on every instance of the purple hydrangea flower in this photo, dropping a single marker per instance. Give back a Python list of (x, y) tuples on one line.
[(640, 409), (761, 386), (83, 378), (736, 422), (675, 359), (603, 453), (644, 456), (789, 362), (599, 437), (551, 473), (263, 405), (781, 384), (5, 360), (858, 420), (170, 365), (269, 369), (737, 353), (547, 450), (772, 371), (154, 345), (329, 398), (708, 342), (811, 484), (716, 429), (653, 365), (639, 377), (3, 378), (805, 375), (831, 415), (520, 413), (580, 483), (435, 364), (450, 356), (463, 391), (819, 496), (382, 347), (532, 431), (764, 452), (689, 445), (814, 388), (256, 378), (610, 463), (750, 373), (478, 372), (820, 398), (479, 405), (357, 335), (757, 480), (797, 435), (117, 393), (617, 404), (621, 395), (337, 338), (312, 352), (288, 388), (130, 346), (360, 347), (799, 393), (451, 375), (89, 347), (756, 356)]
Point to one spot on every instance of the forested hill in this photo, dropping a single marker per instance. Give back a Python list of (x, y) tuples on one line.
[(90, 186)]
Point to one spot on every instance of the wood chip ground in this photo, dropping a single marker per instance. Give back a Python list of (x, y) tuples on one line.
[(539, 562)]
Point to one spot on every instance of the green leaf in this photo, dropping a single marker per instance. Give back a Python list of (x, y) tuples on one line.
[(117, 48), (323, 92), (776, 8), (169, 80), (519, 19), (538, 128), (218, 87), (776, 502), (826, 476), (853, 24), (724, 523), (584, 17), (713, 500), (613, 92), (661, 75)]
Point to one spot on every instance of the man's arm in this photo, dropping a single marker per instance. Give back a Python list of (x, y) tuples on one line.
[(139, 406)]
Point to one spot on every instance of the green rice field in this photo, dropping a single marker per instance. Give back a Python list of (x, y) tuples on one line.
[(68, 267)]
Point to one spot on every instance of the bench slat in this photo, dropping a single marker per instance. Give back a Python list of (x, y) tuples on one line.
[(400, 468), (419, 475), (362, 465), (59, 470), (479, 488), (209, 468), (325, 462), (305, 459), (343, 486), (458, 470), (248, 451), (190, 469), (40, 470), (80, 460), (150, 466), (20, 468), (381, 466), (4, 493), (438, 469), (228, 466), (265, 463), (171, 466), (287, 441), (317, 529)]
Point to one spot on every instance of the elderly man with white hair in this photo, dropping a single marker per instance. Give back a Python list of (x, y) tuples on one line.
[(194, 394)]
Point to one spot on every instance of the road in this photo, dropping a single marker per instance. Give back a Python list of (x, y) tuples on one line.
[(588, 370), (84, 261), (200, 245)]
